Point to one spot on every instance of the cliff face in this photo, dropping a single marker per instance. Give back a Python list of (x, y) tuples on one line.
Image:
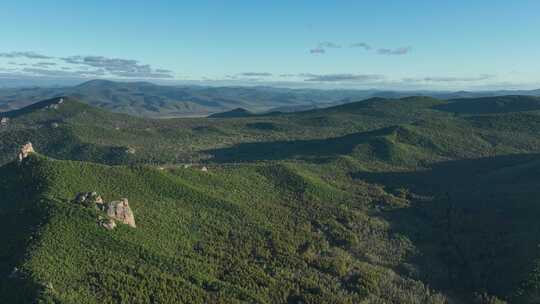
[(26, 149), (120, 210), (115, 210)]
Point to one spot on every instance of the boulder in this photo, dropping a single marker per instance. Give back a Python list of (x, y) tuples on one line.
[(26, 149), (109, 224), (48, 286), (130, 150), (56, 105), (116, 210), (4, 121), (120, 210), (89, 199), (204, 169)]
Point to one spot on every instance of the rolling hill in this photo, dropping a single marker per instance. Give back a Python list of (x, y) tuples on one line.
[(160, 101), (147, 99), (411, 200), (238, 112)]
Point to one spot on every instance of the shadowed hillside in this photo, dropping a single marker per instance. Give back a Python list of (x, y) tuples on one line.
[(477, 222), (492, 105), (378, 201), (281, 235)]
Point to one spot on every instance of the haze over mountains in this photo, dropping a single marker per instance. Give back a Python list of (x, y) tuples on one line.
[(151, 100), (270, 152)]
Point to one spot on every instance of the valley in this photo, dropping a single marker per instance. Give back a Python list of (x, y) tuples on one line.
[(411, 200)]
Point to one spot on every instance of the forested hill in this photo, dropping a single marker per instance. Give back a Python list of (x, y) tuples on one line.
[(412, 200)]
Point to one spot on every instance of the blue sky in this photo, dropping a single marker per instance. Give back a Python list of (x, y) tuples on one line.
[(405, 44)]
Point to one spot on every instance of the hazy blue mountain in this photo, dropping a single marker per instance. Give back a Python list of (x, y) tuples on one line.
[(152, 100)]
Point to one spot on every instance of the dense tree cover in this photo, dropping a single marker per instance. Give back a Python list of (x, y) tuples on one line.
[(382, 201), (253, 233)]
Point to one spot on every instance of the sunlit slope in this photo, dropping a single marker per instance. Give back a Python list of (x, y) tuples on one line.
[(254, 233), (370, 201), (409, 130)]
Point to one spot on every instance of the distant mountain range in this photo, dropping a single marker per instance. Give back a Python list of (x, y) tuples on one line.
[(152, 100), (238, 112)]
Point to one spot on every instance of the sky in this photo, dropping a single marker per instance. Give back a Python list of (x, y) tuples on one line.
[(385, 44)]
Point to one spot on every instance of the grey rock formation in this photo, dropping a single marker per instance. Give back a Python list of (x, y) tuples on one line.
[(116, 210), (108, 224), (26, 149), (90, 199), (120, 210)]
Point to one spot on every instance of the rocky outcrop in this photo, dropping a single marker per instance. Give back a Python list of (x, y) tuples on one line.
[(90, 199), (56, 105), (4, 121), (120, 210), (115, 210), (130, 150), (26, 149), (108, 224)]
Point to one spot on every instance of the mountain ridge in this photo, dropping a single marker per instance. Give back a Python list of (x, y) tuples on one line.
[(152, 100), (355, 198)]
